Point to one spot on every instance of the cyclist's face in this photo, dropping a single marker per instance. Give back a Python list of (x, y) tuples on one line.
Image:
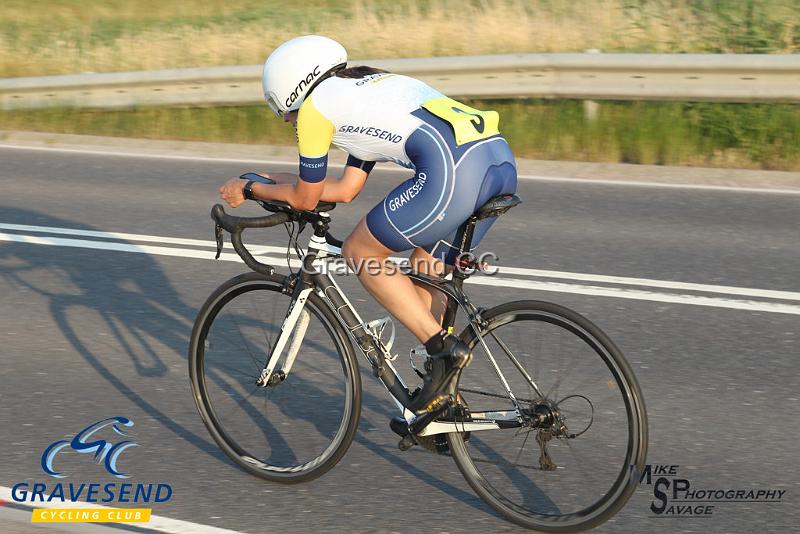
[(290, 117)]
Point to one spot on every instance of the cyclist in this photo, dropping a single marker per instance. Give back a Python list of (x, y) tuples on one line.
[(458, 156)]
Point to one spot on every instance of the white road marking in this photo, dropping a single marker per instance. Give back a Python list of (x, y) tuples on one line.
[(157, 523), (666, 284), (502, 269), (16, 519), (561, 287), (256, 249), (636, 294), (533, 177), (118, 247)]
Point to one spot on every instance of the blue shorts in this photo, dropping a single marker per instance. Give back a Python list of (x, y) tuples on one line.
[(450, 184)]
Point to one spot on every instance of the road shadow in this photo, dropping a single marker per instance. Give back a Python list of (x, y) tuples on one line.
[(130, 297)]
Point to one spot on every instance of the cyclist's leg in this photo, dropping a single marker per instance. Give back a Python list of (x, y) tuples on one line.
[(392, 289), (389, 227), (425, 213), (423, 262), (397, 293)]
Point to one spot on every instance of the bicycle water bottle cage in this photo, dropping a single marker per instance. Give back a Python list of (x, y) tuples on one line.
[(377, 328)]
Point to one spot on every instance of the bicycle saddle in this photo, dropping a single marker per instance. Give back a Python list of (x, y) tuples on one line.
[(497, 206)]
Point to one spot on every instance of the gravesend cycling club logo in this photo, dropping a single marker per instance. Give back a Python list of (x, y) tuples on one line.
[(675, 496), (107, 444), (103, 450)]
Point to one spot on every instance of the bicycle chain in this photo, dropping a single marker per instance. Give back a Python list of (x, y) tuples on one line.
[(495, 395)]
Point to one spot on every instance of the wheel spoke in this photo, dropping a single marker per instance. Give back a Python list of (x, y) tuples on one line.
[(261, 323), (528, 378), (576, 483), (296, 428), (246, 344), (521, 448)]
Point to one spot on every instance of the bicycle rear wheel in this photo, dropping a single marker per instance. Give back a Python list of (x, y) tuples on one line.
[(296, 429), (573, 463)]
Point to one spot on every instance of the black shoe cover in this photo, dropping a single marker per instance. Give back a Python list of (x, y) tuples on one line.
[(441, 369)]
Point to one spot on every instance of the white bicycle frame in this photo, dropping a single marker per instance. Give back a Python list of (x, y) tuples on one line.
[(295, 325)]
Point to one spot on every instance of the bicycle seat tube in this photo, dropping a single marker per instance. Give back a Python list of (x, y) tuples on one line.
[(382, 368)]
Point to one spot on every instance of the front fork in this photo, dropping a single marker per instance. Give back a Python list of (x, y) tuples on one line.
[(294, 327)]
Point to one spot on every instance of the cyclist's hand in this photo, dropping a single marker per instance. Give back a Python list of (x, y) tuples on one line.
[(231, 192)]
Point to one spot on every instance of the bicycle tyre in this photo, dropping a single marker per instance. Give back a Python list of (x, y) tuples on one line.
[(627, 480), (199, 371)]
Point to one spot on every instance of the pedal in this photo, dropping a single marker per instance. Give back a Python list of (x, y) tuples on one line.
[(406, 443), (401, 427)]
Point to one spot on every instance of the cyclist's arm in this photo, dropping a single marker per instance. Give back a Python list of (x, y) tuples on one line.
[(347, 188), (343, 189), (314, 136), (301, 196)]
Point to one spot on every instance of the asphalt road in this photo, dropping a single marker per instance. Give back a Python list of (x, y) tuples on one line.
[(87, 333)]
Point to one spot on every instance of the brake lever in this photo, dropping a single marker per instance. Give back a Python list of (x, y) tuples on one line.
[(218, 235)]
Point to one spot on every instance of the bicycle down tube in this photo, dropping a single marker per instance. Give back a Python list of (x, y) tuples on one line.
[(314, 277)]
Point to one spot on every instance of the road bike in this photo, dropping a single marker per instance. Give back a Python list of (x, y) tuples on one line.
[(547, 424)]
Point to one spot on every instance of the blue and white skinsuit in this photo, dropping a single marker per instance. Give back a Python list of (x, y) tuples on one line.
[(460, 159)]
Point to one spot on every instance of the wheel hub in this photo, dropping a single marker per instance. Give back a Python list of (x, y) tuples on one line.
[(543, 415)]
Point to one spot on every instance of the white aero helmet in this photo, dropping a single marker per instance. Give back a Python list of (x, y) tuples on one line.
[(295, 67)]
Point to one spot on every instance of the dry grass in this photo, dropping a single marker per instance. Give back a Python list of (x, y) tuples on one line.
[(64, 36)]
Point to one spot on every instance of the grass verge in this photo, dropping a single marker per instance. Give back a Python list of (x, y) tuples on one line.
[(755, 136)]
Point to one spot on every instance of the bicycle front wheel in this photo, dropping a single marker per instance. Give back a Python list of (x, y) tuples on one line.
[(573, 460), (292, 430)]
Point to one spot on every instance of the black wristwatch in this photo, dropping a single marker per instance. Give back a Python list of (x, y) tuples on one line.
[(248, 190)]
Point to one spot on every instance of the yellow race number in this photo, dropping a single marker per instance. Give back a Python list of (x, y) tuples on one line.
[(469, 124)]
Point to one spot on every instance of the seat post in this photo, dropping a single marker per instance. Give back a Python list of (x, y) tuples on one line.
[(464, 241), (465, 233), (463, 238)]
